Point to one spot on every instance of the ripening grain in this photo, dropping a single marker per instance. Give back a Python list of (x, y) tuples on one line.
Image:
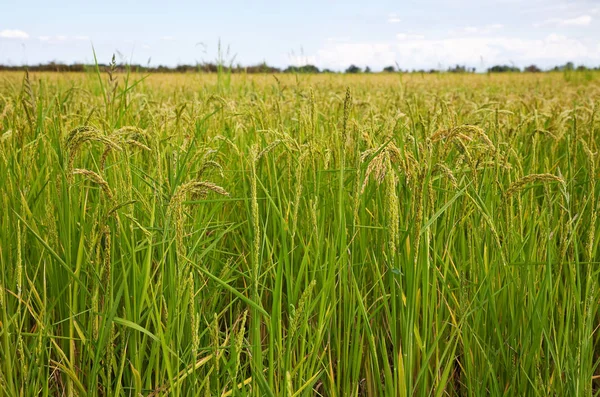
[(328, 235)]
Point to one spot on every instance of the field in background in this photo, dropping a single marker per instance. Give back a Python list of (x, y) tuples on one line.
[(328, 235)]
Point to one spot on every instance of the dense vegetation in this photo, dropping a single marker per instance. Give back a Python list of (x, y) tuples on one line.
[(223, 65), (326, 235)]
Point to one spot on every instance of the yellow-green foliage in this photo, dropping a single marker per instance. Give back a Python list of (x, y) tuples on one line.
[(327, 235)]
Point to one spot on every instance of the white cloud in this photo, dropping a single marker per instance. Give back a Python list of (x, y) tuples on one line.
[(13, 34), (338, 39), (62, 38), (542, 7), (341, 55), (409, 36), (168, 38), (485, 29), (393, 18), (583, 20), (472, 50), (415, 51), (301, 60)]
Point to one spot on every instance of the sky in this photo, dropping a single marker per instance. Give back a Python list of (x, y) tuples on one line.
[(414, 34)]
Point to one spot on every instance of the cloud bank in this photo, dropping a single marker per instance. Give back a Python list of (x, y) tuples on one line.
[(13, 34)]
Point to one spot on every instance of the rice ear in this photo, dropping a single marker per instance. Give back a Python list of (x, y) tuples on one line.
[(524, 181), (96, 178)]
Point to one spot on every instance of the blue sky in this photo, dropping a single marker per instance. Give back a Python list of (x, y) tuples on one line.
[(328, 33)]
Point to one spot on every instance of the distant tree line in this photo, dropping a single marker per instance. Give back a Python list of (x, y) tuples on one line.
[(569, 66), (203, 68), (264, 68)]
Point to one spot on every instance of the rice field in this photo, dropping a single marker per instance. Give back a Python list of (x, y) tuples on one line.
[(292, 235)]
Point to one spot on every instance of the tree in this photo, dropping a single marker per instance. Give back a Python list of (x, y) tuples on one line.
[(353, 69), (302, 69), (503, 69), (262, 68), (458, 69), (532, 69), (367, 70), (389, 69)]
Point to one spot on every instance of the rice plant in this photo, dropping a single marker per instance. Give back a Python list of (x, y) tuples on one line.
[(323, 235)]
